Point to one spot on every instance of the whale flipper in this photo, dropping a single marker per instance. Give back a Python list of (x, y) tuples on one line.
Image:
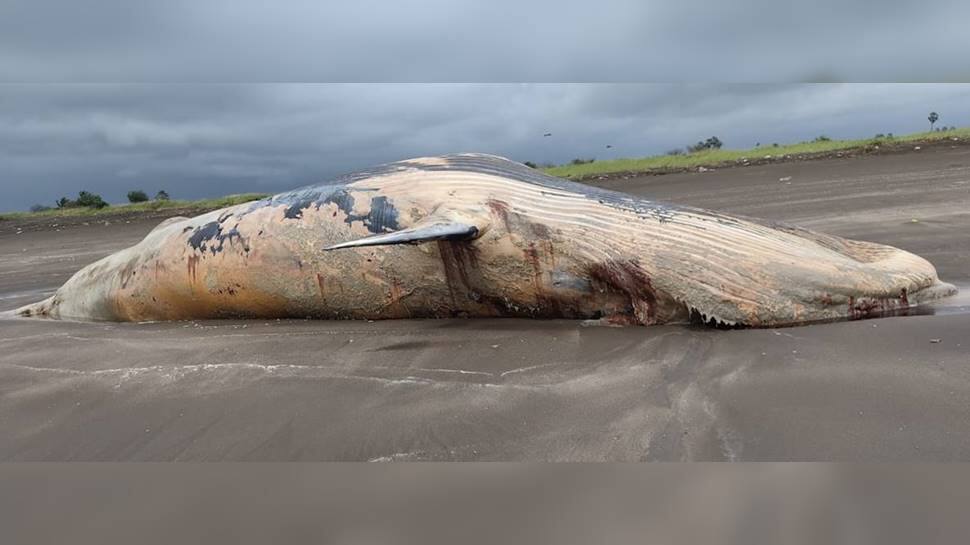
[(427, 231)]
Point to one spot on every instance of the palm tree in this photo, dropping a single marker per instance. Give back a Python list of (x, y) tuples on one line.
[(933, 117)]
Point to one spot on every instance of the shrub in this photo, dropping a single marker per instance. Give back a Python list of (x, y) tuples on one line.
[(137, 196), (822, 138), (84, 199), (162, 196), (530, 164), (579, 161), (90, 200), (711, 143), (675, 151), (39, 208)]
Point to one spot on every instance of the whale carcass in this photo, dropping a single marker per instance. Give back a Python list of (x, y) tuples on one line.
[(477, 235)]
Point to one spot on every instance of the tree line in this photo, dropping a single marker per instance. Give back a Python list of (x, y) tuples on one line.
[(715, 143), (86, 199)]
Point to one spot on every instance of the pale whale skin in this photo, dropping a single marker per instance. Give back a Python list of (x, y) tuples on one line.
[(489, 237)]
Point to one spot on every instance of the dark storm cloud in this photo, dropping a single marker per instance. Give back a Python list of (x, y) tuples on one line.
[(208, 140), (472, 40)]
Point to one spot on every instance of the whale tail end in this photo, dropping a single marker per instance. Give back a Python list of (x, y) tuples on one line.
[(40, 309)]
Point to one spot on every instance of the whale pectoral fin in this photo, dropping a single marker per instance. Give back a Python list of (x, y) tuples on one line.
[(424, 232)]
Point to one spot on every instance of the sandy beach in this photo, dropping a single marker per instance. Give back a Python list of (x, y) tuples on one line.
[(890, 389)]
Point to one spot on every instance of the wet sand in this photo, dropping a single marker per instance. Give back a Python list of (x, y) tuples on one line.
[(874, 390)]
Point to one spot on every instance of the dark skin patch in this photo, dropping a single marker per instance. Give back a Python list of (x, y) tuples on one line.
[(213, 236), (456, 265), (344, 201), (549, 250), (532, 257), (204, 234), (500, 209), (871, 308), (471, 294), (627, 278), (540, 230), (864, 308), (295, 210), (541, 233), (546, 303), (320, 285), (380, 218), (193, 263), (464, 279), (868, 308)]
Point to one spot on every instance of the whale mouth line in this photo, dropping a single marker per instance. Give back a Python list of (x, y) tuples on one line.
[(956, 302), (939, 307), (939, 299)]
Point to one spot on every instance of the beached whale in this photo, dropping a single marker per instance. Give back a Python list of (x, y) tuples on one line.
[(482, 236)]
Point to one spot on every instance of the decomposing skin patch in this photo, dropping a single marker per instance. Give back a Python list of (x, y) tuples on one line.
[(479, 235), (213, 236)]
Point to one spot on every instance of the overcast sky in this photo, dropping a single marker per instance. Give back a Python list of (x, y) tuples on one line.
[(191, 96), (206, 140), (484, 40)]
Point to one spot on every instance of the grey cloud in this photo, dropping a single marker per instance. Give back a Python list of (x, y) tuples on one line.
[(207, 140), (468, 40)]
